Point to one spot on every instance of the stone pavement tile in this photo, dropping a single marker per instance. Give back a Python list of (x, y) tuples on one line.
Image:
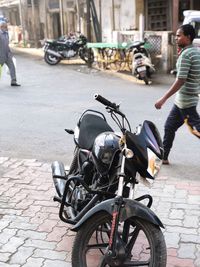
[(186, 238), (65, 244), (7, 234), (34, 262), (9, 265), (21, 256), (40, 244), (39, 217), (191, 221), (176, 214), (57, 234), (56, 263), (197, 261), (32, 235), (177, 262), (4, 257), (12, 245), (49, 254), (47, 226), (187, 251)]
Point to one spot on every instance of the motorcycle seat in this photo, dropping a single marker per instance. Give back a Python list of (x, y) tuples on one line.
[(90, 127)]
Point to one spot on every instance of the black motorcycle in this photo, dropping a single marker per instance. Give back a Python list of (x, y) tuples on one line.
[(96, 194), (66, 48)]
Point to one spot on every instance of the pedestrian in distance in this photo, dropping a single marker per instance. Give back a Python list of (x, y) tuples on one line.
[(6, 56), (187, 89)]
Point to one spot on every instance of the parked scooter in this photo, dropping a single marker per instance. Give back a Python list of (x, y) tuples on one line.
[(96, 194), (66, 47), (142, 67)]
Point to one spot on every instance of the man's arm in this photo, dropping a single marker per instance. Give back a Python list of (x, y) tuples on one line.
[(173, 89)]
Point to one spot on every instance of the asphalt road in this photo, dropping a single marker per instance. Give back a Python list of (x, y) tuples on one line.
[(51, 98)]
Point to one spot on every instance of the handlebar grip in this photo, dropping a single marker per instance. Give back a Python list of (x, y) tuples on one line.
[(104, 101)]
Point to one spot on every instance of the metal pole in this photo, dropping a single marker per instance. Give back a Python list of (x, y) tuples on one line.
[(46, 26), (100, 17), (89, 32), (141, 27), (33, 21), (22, 22), (78, 16), (113, 14), (61, 17)]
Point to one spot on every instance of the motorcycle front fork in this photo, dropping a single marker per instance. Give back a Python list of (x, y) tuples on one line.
[(118, 204)]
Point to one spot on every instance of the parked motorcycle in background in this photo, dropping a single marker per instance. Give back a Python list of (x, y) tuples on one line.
[(142, 67), (66, 47), (96, 194)]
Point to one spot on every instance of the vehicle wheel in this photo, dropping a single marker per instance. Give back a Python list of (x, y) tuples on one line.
[(50, 59), (84, 55), (144, 243), (146, 80)]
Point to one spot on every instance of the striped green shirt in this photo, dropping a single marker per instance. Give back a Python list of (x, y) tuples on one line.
[(188, 67)]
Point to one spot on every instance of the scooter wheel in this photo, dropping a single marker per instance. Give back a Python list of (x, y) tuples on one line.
[(146, 80)]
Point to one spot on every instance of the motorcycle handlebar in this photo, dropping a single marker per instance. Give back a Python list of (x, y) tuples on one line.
[(105, 102)]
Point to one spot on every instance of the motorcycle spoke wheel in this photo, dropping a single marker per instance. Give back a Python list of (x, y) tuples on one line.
[(143, 242)]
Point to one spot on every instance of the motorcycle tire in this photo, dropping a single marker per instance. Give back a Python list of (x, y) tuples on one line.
[(145, 240), (50, 59), (84, 55), (146, 80)]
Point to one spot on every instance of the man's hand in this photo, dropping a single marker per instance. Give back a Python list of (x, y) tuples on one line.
[(159, 103), (173, 89)]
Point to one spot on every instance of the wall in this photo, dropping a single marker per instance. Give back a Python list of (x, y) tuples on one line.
[(116, 16)]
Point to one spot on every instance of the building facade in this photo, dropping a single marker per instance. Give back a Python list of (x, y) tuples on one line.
[(32, 21), (42, 19)]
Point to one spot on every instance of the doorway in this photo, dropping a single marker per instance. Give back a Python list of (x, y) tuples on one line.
[(56, 25)]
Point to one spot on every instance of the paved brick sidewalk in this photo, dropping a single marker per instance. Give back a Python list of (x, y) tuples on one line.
[(31, 234)]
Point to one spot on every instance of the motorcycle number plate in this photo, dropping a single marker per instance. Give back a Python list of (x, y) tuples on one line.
[(142, 68)]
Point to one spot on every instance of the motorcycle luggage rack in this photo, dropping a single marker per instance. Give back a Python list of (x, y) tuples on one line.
[(97, 195), (149, 204)]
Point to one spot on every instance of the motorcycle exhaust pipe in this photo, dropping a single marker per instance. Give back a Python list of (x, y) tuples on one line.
[(52, 52), (59, 177)]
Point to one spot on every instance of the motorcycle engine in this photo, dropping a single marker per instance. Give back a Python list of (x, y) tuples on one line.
[(69, 53), (79, 198)]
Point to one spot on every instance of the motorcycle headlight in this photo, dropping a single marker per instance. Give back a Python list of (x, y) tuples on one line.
[(128, 153)]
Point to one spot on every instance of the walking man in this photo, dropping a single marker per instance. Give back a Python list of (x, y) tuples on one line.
[(187, 89), (6, 56)]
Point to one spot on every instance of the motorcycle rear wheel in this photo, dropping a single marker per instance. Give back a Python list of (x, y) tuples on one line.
[(146, 241), (51, 59), (146, 80)]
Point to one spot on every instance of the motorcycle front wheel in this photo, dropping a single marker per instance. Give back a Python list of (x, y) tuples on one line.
[(140, 243), (51, 59), (85, 53)]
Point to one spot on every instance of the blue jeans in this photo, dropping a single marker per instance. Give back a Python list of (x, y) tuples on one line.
[(177, 117)]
